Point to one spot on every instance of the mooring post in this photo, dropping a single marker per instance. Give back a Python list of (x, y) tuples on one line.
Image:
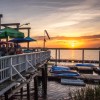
[(56, 58), (83, 56), (28, 91), (21, 93), (43, 83), (36, 88)]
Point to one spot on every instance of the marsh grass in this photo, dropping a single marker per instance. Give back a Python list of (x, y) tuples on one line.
[(88, 93)]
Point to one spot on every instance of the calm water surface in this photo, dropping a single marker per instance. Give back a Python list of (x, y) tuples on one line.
[(77, 54)]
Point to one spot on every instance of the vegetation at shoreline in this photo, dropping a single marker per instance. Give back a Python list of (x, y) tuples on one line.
[(88, 93)]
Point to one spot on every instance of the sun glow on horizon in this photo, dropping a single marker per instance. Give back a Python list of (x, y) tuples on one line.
[(74, 43)]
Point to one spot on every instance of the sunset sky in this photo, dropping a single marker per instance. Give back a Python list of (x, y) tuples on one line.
[(70, 23)]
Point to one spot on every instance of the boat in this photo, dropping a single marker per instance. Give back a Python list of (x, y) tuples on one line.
[(85, 65), (61, 71), (85, 68), (68, 73), (55, 69), (76, 82)]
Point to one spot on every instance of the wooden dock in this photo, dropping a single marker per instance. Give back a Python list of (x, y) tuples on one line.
[(88, 78)]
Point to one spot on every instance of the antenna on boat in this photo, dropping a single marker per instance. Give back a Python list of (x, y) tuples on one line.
[(45, 32)]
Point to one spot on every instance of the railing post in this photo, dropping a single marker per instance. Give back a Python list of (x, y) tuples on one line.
[(99, 57), (83, 56), (59, 55), (26, 65), (56, 57), (11, 73)]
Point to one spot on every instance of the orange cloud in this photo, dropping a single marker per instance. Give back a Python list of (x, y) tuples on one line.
[(68, 42)]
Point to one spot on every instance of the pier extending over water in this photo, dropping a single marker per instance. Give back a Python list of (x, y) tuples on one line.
[(16, 71)]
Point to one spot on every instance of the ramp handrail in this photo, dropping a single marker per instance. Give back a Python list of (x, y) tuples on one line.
[(15, 64)]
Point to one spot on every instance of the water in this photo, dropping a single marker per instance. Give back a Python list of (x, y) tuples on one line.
[(56, 91), (76, 54)]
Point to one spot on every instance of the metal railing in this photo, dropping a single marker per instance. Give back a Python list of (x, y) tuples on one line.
[(15, 64)]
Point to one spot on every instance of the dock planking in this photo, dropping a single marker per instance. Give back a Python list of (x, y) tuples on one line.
[(88, 78)]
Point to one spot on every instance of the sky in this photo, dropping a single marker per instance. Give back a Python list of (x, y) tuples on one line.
[(70, 23)]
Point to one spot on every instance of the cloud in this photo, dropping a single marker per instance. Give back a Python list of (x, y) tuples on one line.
[(93, 37), (60, 17)]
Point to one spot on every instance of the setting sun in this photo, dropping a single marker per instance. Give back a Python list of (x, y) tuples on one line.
[(74, 43)]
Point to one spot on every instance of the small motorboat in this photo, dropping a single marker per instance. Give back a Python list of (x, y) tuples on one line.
[(68, 73), (85, 65), (85, 68), (61, 71), (55, 69), (76, 82)]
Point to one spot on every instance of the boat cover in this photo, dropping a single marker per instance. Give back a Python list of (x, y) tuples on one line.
[(59, 68), (86, 65)]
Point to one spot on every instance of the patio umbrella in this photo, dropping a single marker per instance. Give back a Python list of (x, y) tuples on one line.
[(12, 33), (18, 40), (21, 40), (28, 39)]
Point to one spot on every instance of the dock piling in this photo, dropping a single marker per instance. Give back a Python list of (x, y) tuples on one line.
[(21, 93), (6, 96), (28, 91), (35, 88), (44, 82)]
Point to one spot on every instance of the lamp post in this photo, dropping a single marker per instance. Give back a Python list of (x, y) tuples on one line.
[(0, 19), (28, 29), (24, 24)]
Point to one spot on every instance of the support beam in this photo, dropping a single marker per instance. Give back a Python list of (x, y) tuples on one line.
[(35, 88), (28, 36), (10, 24), (23, 28)]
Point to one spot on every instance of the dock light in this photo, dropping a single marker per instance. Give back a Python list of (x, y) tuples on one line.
[(1, 15)]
